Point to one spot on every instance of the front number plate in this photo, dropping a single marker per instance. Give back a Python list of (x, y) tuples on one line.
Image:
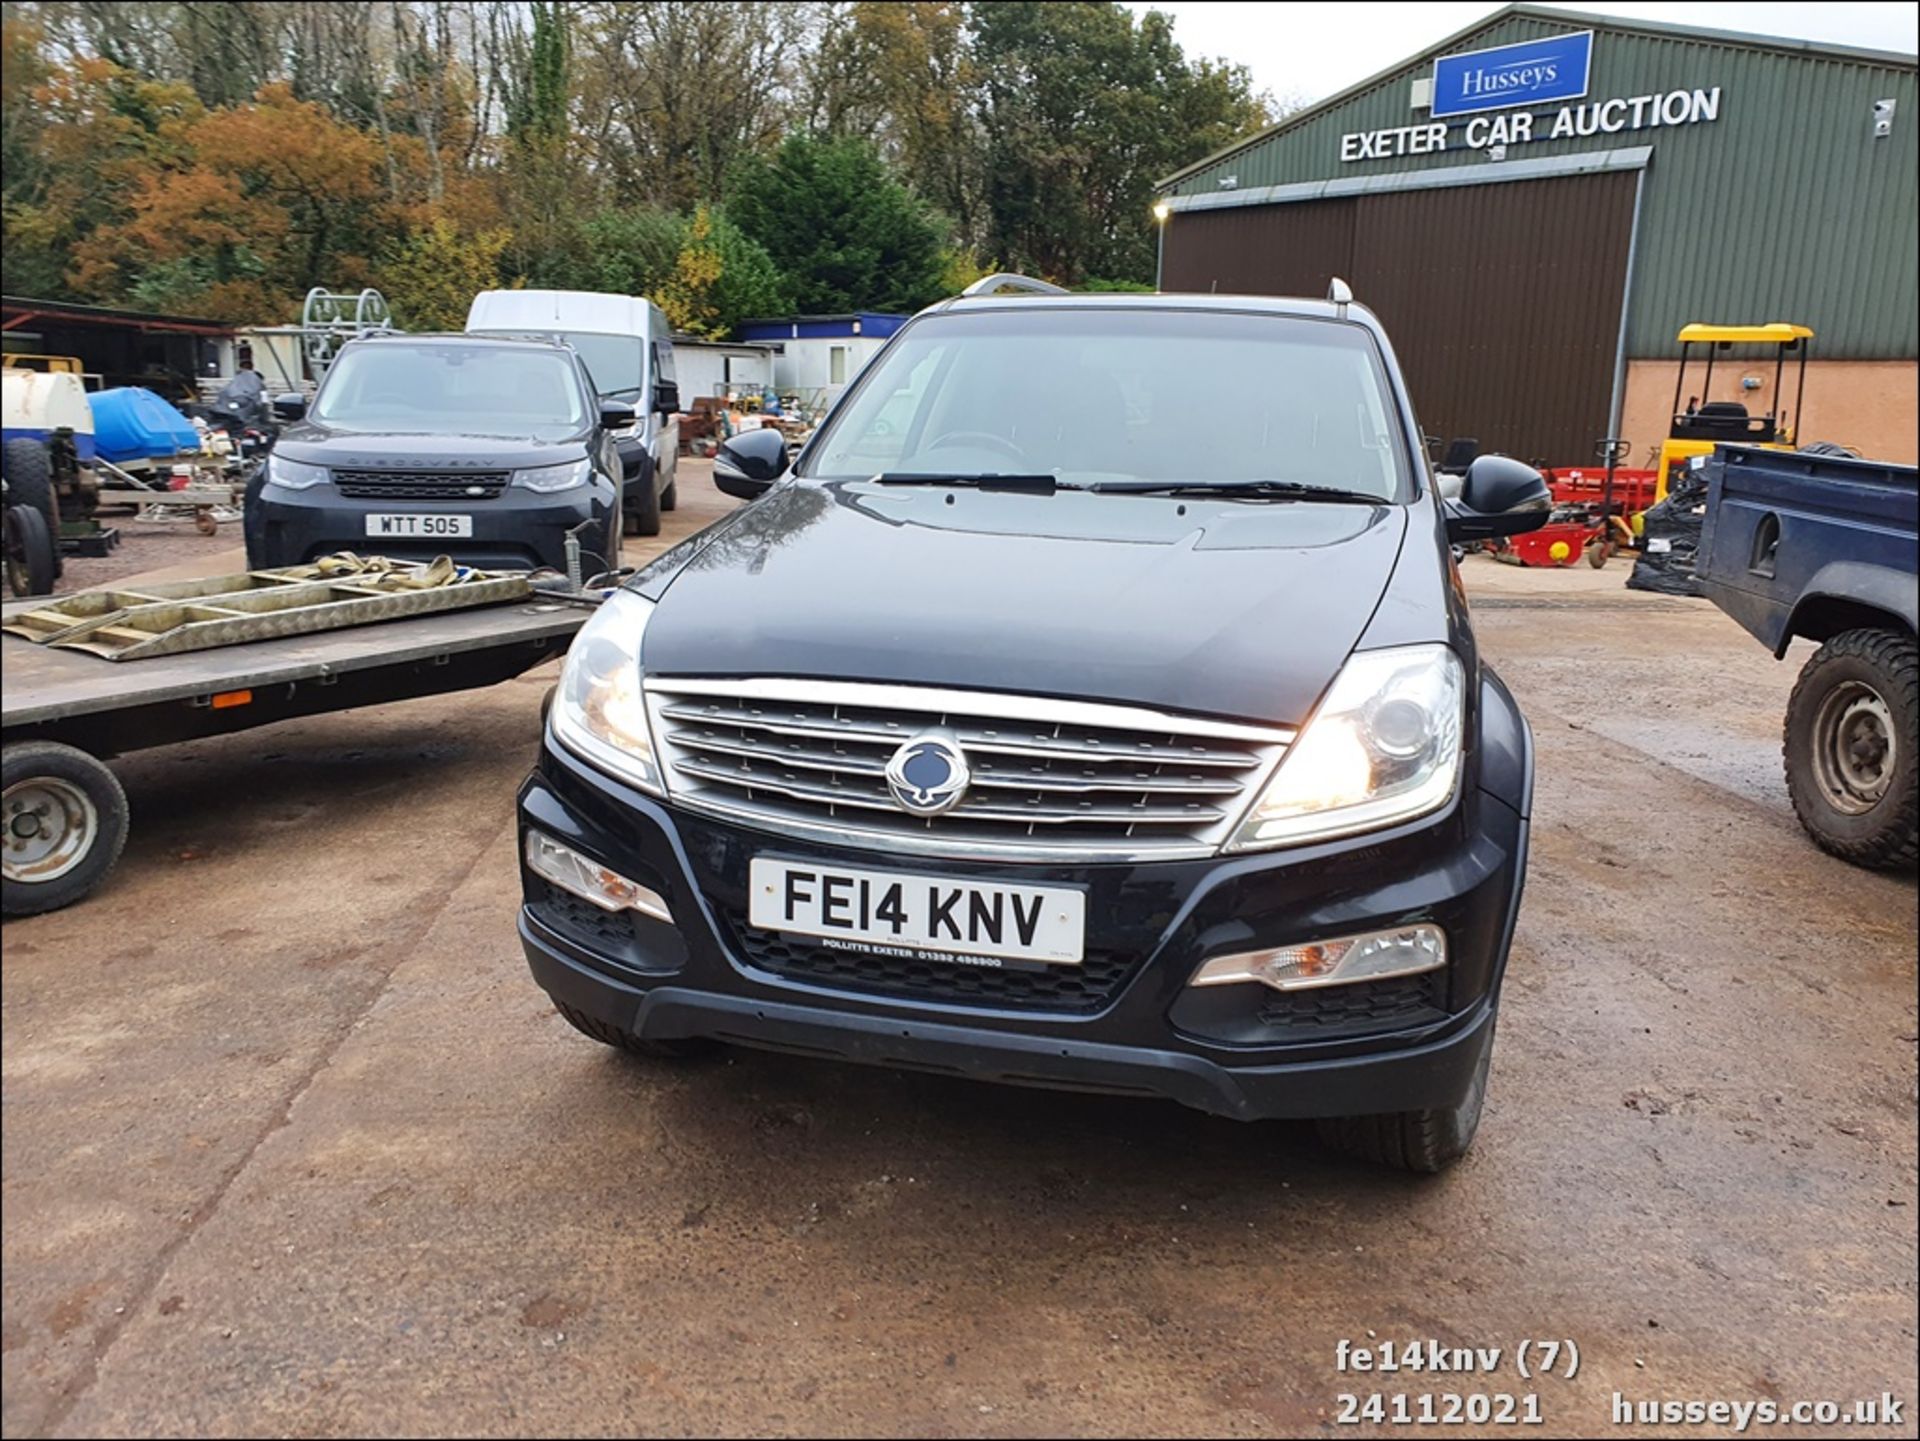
[(419, 527), (967, 922)]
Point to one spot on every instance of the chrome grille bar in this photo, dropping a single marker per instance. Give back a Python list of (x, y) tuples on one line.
[(1051, 780)]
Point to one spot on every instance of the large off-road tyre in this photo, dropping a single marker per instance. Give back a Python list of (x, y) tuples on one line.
[(28, 467), (30, 552), (1852, 748), (63, 820), (622, 1040), (1428, 1141)]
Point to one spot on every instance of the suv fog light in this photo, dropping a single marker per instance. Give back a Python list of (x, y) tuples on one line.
[(590, 880), (1403, 951)]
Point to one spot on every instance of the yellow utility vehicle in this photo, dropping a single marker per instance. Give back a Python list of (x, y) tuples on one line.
[(1706, 422)]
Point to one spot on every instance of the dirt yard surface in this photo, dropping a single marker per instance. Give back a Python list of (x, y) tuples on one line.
[(149, 546), (294, 1145)]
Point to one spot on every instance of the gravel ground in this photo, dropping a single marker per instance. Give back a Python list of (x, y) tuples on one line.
[(148, 546), (294, 1145)]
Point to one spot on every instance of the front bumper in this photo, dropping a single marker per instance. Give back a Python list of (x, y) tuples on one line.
[(1242, 1051), (516, 530)]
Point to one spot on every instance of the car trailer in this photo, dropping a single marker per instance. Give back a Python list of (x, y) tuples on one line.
[(65, 712)]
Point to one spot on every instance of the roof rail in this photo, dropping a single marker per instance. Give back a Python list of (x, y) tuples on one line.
[(1008, 280)]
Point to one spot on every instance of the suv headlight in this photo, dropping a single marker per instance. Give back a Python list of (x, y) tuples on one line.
[(548, 478), (294, 474), (599, 712), (1383, 747)]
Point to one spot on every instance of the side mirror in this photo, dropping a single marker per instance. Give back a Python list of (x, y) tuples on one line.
[(1500, 496), (616, 415), (290, 406), (666, 397), (750, 462)]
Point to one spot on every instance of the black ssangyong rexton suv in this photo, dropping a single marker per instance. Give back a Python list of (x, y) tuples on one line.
[(1092, 704)]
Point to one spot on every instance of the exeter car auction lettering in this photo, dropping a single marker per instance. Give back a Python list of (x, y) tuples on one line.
[(1598, 117)]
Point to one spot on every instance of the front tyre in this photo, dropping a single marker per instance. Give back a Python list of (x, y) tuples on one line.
[(1427, 1141), (63, 820), (1851, 746), (643, 509)]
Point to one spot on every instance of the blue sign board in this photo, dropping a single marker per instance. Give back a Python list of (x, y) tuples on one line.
[(1530, 73)]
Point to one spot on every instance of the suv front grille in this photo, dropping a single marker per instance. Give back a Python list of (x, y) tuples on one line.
[(421, 484), (1051, 780), (1082, 988)]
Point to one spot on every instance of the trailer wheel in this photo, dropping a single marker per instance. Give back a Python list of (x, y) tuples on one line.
[(1852, 748), (28, 466), (65, 820), (30, 552)]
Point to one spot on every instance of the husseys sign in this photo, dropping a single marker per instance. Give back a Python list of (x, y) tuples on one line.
[(1489, 86), (1530, 73)]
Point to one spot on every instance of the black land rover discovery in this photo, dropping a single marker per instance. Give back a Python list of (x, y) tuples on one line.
[(1092, 703), (490, 450)]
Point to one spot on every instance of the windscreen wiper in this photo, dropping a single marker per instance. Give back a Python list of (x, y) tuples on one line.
[(1263, 489), (984, 480)]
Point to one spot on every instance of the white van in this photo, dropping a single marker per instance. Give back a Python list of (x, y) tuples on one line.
[(628, 347)]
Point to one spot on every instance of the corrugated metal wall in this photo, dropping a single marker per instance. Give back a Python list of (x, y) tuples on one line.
[(1504, 324), (1785, 208)]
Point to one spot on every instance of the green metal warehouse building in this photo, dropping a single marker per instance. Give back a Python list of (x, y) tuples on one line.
[(1536, 205)]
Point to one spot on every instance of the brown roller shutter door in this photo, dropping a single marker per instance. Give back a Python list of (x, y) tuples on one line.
[(1503, 301)]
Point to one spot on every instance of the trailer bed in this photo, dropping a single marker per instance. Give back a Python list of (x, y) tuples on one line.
[(109, 708)]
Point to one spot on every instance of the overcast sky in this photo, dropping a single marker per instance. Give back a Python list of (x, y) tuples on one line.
[(1310, 51)]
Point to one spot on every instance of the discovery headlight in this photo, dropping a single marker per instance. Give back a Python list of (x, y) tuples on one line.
[(548, 478), (294, 474), (599, 712), (1383, 747)]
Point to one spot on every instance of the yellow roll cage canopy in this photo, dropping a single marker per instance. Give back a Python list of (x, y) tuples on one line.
[(1777, 333)]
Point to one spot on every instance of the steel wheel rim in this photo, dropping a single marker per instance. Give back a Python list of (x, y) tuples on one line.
[(48, 826), (1854, 751)]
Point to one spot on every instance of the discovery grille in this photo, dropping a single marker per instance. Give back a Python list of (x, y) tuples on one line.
[(1051, 780), (420, 484)]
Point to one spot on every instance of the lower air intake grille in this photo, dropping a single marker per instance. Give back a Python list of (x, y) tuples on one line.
[(1086, 987), (1364, 1007)]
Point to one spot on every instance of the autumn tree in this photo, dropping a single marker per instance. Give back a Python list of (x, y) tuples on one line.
[(277, 197), (431, 274), (720, 278), (1084, 108)]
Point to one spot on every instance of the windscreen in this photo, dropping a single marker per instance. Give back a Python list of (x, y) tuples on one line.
[(617, 363), (1091, 395), (452, 389)]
